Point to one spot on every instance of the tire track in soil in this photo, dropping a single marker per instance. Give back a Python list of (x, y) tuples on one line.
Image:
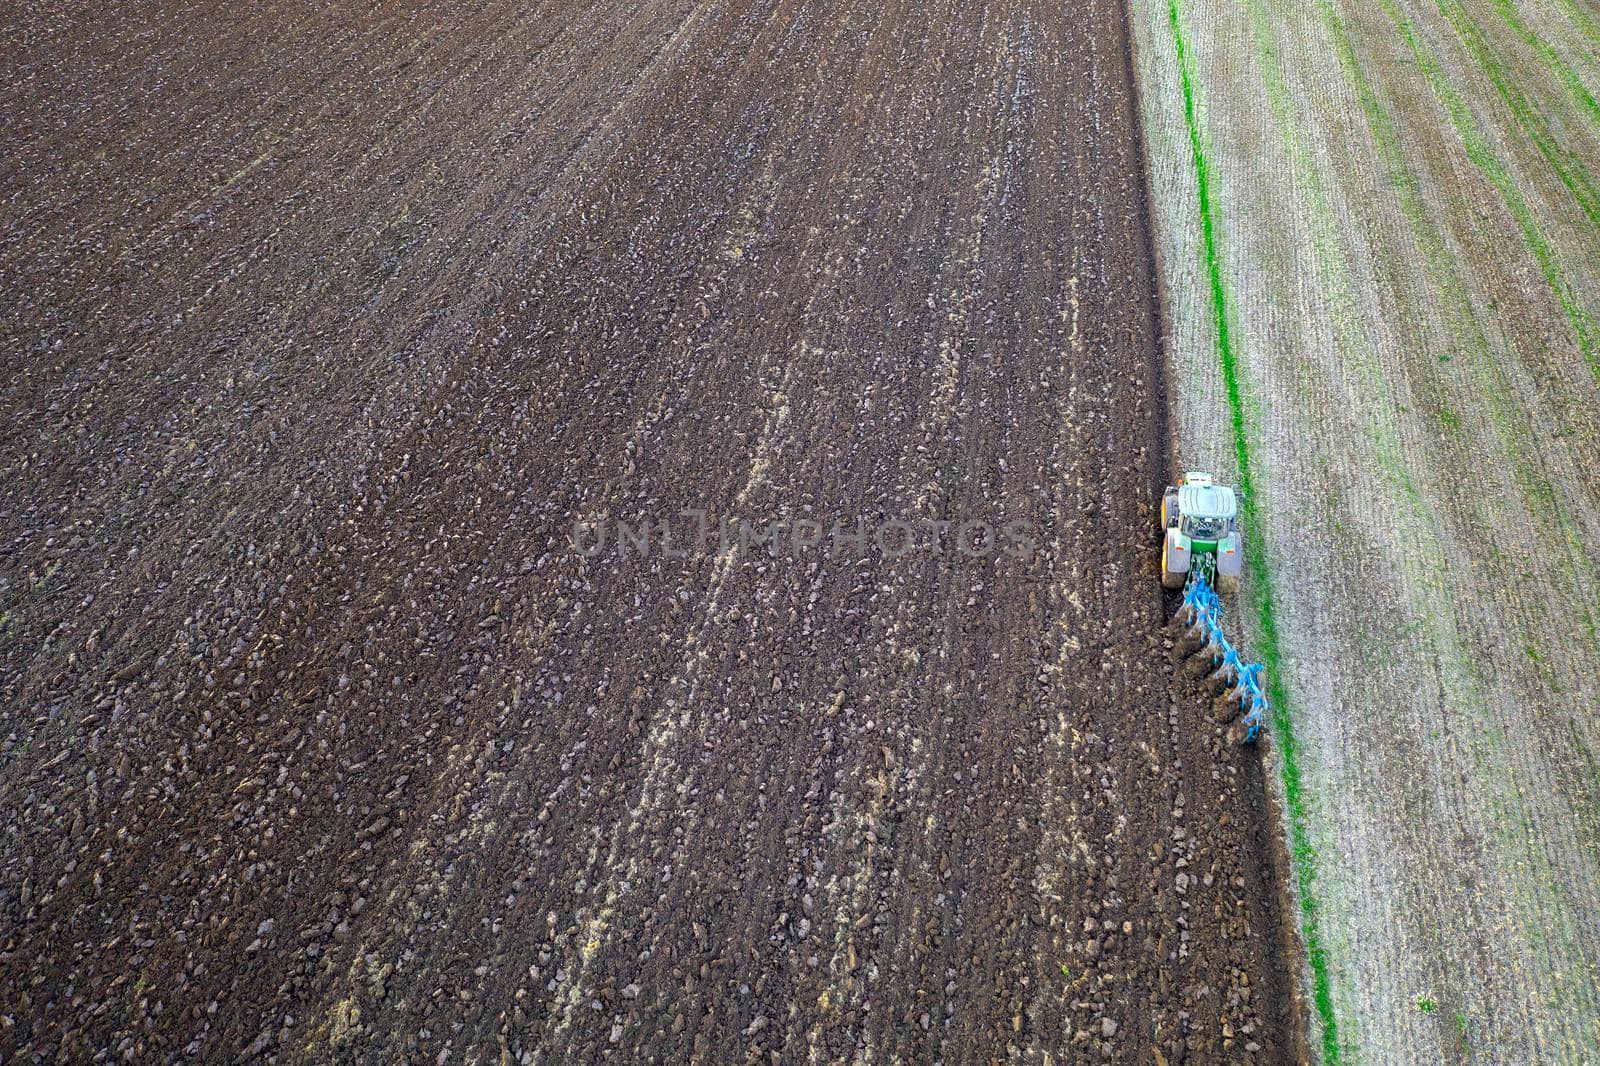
[(335, 749)]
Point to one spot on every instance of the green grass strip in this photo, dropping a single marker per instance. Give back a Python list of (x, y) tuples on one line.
[(1569, 170), (1511, 421), (1580, 92), (1302, 854), (1582, 19), (1483, 157)]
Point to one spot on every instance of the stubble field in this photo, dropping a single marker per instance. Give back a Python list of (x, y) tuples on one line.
[(1380, 244)]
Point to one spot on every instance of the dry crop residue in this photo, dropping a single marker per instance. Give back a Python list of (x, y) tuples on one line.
[(1403, 246)]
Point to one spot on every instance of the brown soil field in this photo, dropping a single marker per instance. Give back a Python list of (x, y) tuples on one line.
[(325, 325)]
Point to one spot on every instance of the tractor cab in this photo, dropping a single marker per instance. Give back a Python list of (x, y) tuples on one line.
[(1200, 517), (1207, 513)]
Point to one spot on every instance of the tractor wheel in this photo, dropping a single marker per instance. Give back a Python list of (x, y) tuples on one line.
[(1168, 503), (1170, 580), (1228, 584)]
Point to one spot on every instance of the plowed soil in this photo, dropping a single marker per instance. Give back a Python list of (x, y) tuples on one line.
[(325, 325)]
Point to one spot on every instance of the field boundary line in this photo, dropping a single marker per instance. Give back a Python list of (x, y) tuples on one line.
[(1302, 854)]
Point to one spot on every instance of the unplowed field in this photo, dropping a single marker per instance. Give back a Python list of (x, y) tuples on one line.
[(326, 323), (1379, 229)]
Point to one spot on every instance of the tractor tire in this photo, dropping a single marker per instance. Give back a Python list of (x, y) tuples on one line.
[(1228, 585), (1170, 580)]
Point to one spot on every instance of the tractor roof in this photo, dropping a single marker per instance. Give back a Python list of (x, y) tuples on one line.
[(1208, 501)]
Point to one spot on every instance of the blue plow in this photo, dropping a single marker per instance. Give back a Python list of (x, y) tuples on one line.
[(1202, 613)]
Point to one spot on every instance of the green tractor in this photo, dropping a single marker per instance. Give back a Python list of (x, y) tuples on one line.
[(1200, 527)]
